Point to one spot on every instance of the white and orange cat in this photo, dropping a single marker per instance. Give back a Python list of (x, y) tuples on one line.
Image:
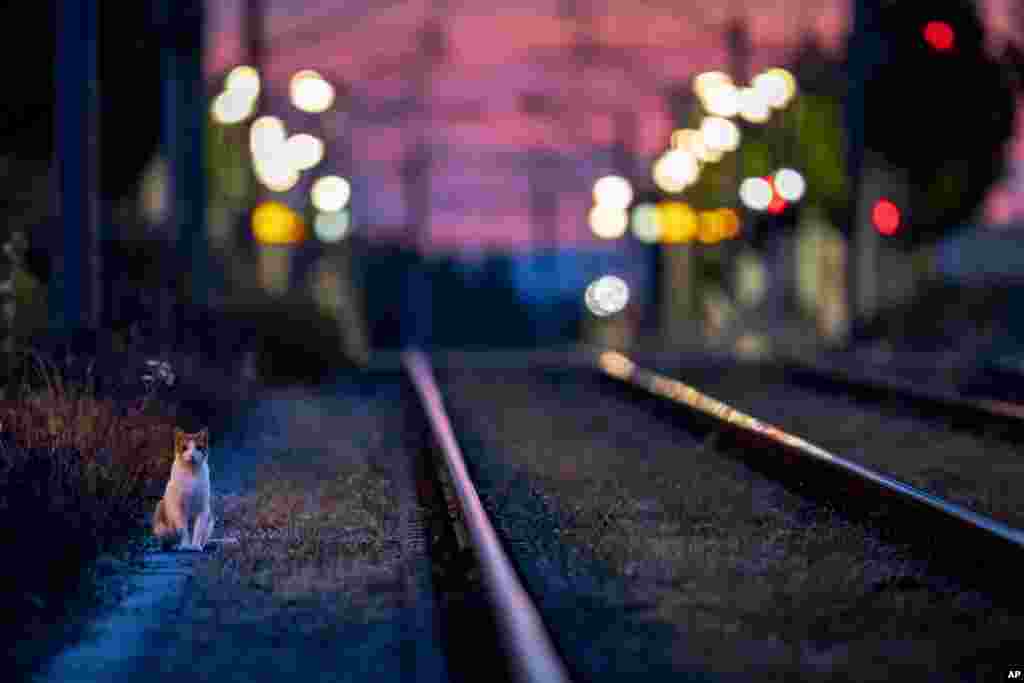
[(184, 517)]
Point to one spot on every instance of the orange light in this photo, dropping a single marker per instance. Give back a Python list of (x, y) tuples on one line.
[(276, 223), (886, 217), (939, 35)]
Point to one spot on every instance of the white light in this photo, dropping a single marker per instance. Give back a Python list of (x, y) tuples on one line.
[(232, 106), (614, 191), (607, 295), (720, 134), (310, 92), (722, 99), (645, 223), (332, 226), (753, 106), (756, 193), (276, 173), (790, 184), (708, 80), (331, 193), (245, 80), (777, 86), (304, 150), (675, 170), (608, 222), (266, 137)]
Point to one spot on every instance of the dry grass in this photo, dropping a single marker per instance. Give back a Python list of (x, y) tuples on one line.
[(302, 534), (753, 578), (77, 475)]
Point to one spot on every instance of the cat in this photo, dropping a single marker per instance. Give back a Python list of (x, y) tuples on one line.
[(184, 517)]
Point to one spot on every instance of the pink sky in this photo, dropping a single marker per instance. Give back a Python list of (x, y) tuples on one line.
[(495, 56)]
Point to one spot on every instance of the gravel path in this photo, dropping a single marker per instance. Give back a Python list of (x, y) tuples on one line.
[(652, 555), (321, 584)]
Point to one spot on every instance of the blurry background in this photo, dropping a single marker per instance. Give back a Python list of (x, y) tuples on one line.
[(460, 174)]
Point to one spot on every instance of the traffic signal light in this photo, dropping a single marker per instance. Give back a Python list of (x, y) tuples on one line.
[(886, 217), (939, 35), (936, 105)]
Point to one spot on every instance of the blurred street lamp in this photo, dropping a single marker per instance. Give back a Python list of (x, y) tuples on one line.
[(266, 137), (675, 170), (332, 226), (607, 295), (756, 193), (644, 222), (777, 87), (331, 193), (789, 184), (231, 107), (310, 92), (244, 80), (304, 151), (720, 134), (754, 106), (613, 191), (608, 222), (276, 223)]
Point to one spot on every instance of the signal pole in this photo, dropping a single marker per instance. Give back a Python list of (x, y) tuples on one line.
[(75, 285)]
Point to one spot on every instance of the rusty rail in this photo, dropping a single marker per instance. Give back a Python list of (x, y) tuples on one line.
[(622, 368), (524, 636)]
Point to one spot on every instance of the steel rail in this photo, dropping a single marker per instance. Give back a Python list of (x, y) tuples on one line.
[(622, 368), (526, 639), (945, 399)]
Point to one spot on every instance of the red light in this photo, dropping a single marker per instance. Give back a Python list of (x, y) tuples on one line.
[(886, 217), (939, 35), (777, 205)]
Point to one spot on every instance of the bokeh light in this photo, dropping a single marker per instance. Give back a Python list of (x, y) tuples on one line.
[(722, 99), (675, 170), (756, 193), (331, 193), (939, 35), (231, 107), (678, 222), (332, 226), (607, 295), (243, 79), (310, 92), (266, 137), (720, 134), (710, 227), (753, 106), (776, 85), (886, 217), (644, 221), (708, 80), (777, 205), (608, 222), (275, 172), (304, 151), (276, 223), (614, 191), (789, 184)]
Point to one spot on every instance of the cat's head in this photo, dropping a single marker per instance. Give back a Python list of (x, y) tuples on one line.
[(192, 449)]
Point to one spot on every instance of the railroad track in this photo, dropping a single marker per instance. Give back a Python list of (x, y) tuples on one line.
[(953, 539)]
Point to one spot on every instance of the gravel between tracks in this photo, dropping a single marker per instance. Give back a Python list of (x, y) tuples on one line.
[(651, 554), (983, 472)]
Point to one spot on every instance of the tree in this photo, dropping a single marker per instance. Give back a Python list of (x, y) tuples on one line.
[(936, 106)]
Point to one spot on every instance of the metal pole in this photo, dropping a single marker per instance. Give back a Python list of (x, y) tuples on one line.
[(75, 289)]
